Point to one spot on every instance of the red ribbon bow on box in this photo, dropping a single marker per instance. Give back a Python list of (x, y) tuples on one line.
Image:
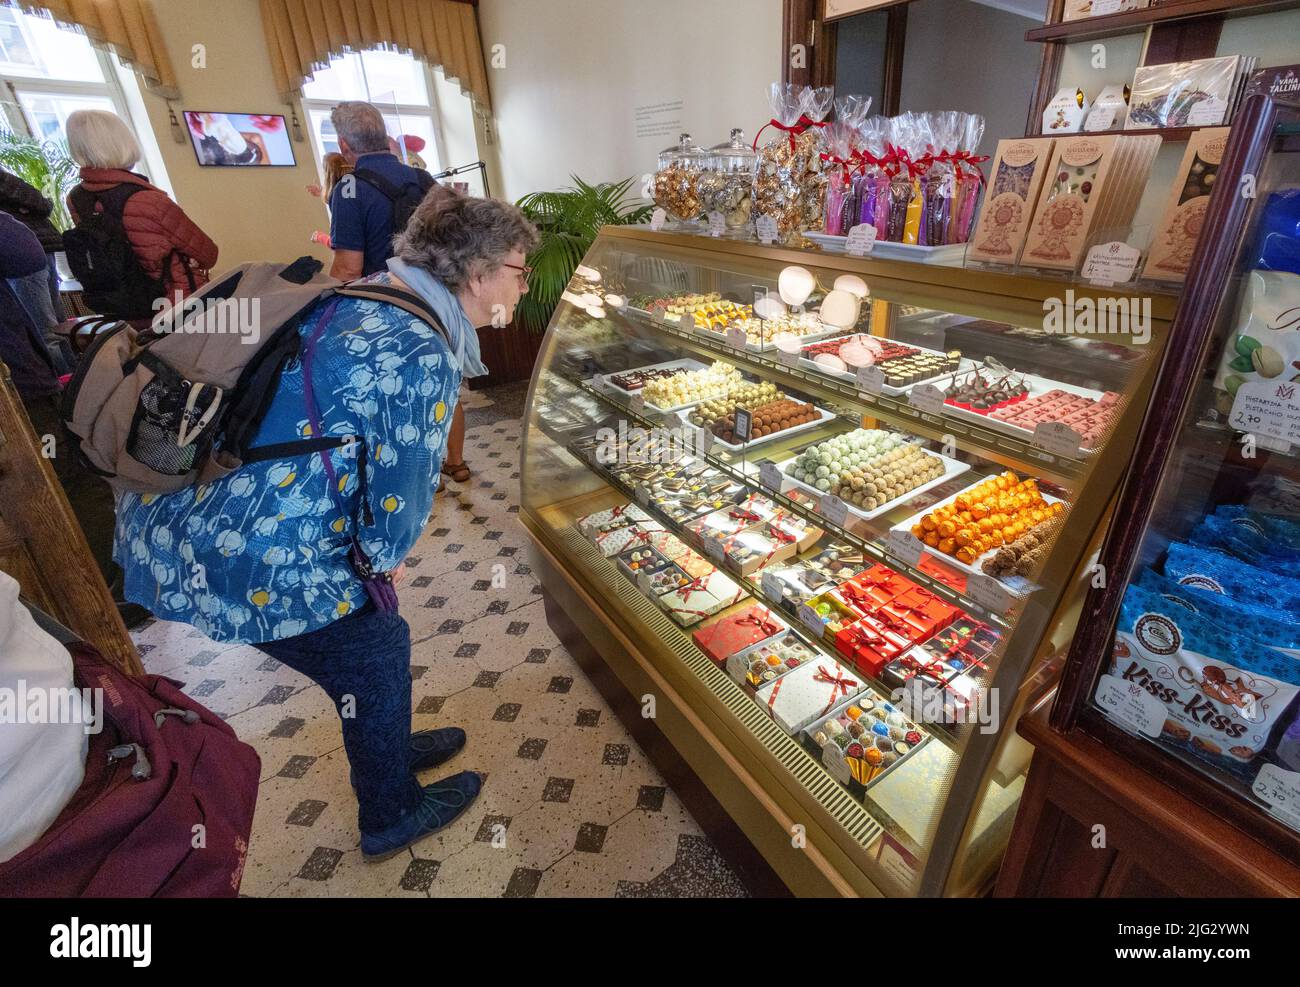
[(898, 625), (740, 514), (863, 636), (762, 623), (856, 595), (914, 668), (840, 685), (781, 535)]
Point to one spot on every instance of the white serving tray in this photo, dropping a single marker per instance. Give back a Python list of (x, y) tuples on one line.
[(1037, 386), (811, 337), (965, 365), (951, 253), (951, 468), (683, 364), (823, 417), (951, 560)]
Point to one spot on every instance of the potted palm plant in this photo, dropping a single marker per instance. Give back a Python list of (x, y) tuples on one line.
[(45, 165)]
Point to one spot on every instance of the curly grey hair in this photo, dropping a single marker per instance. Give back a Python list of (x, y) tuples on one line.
[(361, 125), (454, 236)]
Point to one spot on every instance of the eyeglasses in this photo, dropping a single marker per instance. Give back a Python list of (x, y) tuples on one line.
[(524, 272)]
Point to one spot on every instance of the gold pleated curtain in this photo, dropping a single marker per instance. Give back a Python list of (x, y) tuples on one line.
[(301, 35), (126, 27)]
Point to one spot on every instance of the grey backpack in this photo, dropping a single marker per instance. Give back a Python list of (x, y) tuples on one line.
[(157, 410)]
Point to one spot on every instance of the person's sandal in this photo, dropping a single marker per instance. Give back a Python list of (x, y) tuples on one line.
[(457, 471)]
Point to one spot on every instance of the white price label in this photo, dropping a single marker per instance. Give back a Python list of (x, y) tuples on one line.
[(811, 619), (1101, 118), (988, 593), (1102, 7), (769, 474), (1207, 113), (713, 549), (736, 337), (1130, 704), (834, 510), (766, 229), (902, 544), (836, 763), (926, 398), (1268, 407), (1111, 263), (1280, 790), (773, 588), (717, 224), (599, 383), (871, 379), (860, 240), (1057, 438), (789, 358), (657, 220)]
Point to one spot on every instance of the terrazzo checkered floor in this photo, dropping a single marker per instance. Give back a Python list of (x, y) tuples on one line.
[(571, 806)]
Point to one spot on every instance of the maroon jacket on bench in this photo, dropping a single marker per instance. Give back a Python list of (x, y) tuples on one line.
[(155, 226)]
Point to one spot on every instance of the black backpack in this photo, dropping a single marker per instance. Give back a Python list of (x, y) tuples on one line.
[(403, 198), (101, 257)]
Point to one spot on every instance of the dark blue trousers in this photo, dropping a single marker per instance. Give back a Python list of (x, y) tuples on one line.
[(363, 662)]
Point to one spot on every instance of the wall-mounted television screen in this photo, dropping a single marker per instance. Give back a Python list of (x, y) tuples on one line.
[(240, 139)]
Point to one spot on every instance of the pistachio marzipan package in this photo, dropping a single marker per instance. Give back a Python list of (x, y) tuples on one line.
[(1223, 691)]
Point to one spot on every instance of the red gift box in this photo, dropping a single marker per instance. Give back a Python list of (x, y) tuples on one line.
[(723, 638), (882, 583), (923, 611), (869, 646), (856, 598)]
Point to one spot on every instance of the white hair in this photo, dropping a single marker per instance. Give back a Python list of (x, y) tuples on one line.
[(100, 139)]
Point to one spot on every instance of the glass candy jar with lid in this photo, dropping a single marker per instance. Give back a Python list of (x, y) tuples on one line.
[(727, 183), (676, 183)]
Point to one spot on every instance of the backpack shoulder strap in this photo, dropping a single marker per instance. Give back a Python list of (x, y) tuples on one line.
[(390, 191), (112, 199), (408, 301)]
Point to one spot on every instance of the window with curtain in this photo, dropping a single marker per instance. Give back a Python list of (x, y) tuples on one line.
[(48, 72), (397, 84)]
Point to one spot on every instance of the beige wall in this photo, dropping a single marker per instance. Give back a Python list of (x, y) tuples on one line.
[(576, 70), (252, 213)]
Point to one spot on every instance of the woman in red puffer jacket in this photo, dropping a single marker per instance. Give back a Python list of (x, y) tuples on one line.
[(156, 227)]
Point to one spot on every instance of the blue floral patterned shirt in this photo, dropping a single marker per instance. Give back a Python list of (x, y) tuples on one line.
[(262, 554)]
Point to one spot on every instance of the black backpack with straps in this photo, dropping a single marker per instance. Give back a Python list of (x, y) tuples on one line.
[(403, 198)]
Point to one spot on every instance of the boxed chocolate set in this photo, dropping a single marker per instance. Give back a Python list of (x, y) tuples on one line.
[(615, 517), (769, 659), (702, 597), (1094, 184), (806, 694), (722, 638), (1065, 112), (1282, 83), (863, 739), (1019, 166), (1201, 93), (1183, 219)]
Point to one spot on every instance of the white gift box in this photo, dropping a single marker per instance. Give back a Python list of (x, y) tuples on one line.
[(619, 540), (807, 693), (620, 516), (704, 597)]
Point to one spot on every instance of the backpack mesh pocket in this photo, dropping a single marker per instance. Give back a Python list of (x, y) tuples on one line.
[(160, 418)]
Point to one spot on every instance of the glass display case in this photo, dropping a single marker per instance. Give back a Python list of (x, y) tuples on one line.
[(830, 520), (1187, 659)]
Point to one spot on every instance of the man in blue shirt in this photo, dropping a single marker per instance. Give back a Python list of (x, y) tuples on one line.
[(362, 204)]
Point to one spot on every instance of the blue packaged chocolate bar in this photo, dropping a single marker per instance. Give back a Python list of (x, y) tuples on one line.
[(1269, 627), (1246, 543), (1277, 528), (1196, 565), (1278, 237), (1223, 692)]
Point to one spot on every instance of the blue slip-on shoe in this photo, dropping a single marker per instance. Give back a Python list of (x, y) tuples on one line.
[(430, 748), (442, 803)]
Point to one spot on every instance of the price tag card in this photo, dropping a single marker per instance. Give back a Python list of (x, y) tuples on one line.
[(904, 545), (766, 229), (1280, 790), (789, 358), (811, 619), (988, 592), (657, 220), (926, 398), (1131, 705), (743, 422), (736, 337), (1101, 7), (760, 293), (1268, 407), (834, 510), (717, 224), (871, 380), (1057, 438), (860, 240), (599, 383), (1110, 264), (772, 587), (1207, 113), (769, 474)]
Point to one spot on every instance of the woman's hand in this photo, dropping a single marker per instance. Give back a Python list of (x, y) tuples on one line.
[(398, 574), (314, 190)]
